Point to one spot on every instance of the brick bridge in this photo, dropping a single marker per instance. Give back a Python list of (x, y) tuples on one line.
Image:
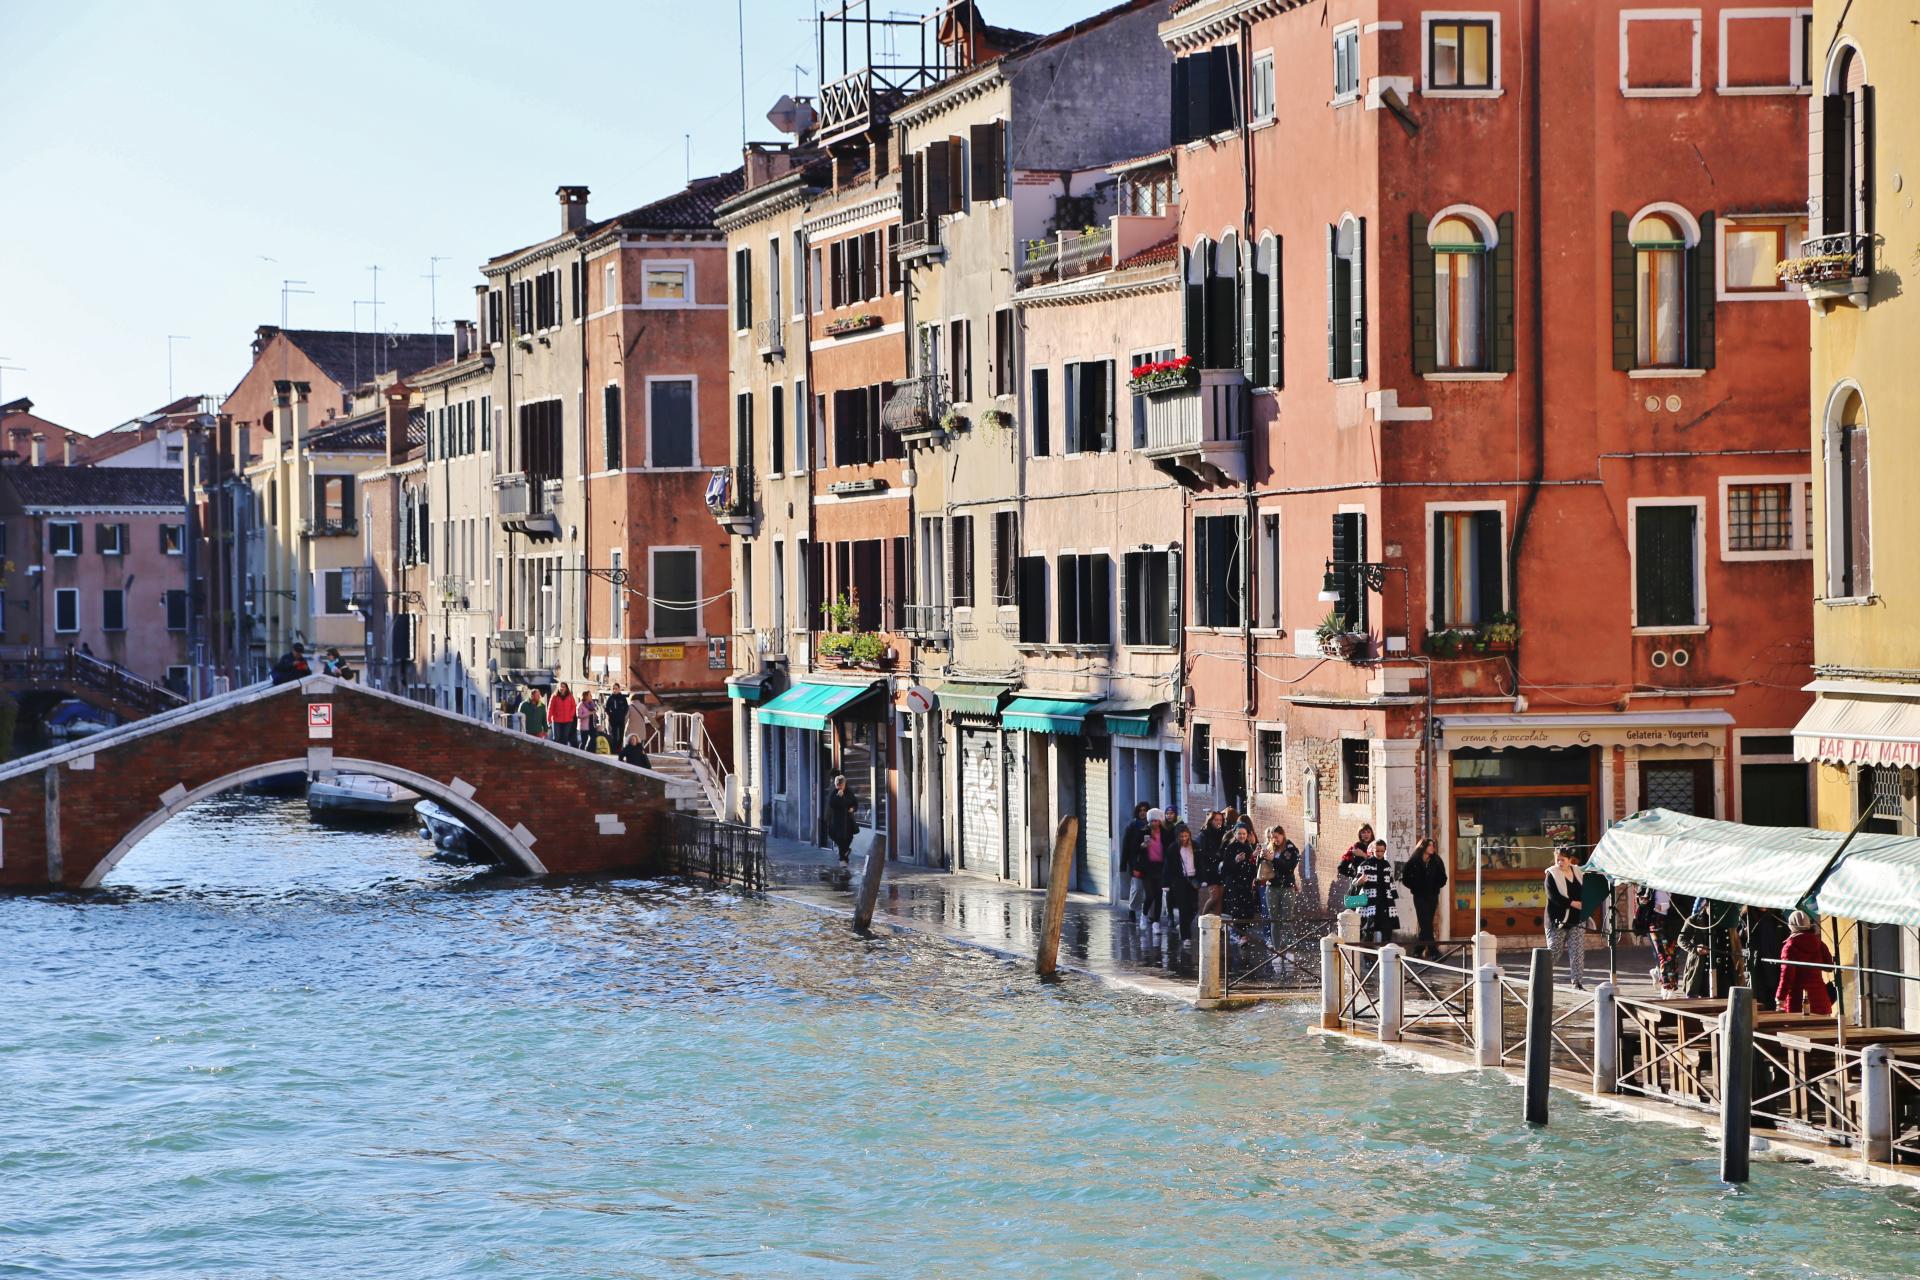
[(73, 812)]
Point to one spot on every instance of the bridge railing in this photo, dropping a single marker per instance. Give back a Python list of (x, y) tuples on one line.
[(720, 853), (27, 664)]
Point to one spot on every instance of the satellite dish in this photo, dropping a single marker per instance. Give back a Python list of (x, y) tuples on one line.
[(791, 115)]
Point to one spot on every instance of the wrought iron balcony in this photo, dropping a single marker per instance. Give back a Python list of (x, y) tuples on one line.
[(342, 527), (1835, 267), (528, 504), (1197, 432), (733, 497), (930, 623), (770, 335), (916, 406)]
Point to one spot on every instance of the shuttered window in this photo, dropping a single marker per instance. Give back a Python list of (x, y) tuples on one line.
[(1347, 300), (1663, 293), (1083, 582), (960, 576), (1467, 568), (1033, 600), (1849, 489), (1219, 570), (1666, 556), (1350, 548), (1005, 552), (614, 426), (1147, 610), (1206, 93), (988, 144)]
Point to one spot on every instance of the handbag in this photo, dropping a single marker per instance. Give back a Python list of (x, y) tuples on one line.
[(1263, 874), (1356, 900)]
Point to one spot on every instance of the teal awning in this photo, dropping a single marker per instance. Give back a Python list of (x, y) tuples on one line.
[(812, 705), (751, 688), (1878, 881), (1128, 719), (1046, 715), (972, 699)]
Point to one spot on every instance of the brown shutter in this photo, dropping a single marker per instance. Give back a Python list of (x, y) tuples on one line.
[(1830, 219), (909, 188), (1862, 193), (1500, 289), (1425, 319), (980, 156), (957, 198), (939, 192), (1001, 160), (1700, 296), (1626, 315)]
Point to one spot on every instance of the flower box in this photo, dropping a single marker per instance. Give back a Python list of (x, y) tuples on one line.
[(851, 324), (1819, 268), (1163, 375)]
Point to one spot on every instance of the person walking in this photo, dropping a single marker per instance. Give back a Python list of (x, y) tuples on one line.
[(1373, 881), (1183, 891), (1239, 867), (632, 753), (561, 711), (1803, 985), (615, 705), (1341, 888), (586, 720), (533, 714), (1207, 876), (1133, 852), (1425, 875), (843, 809), (1767, 931), (1564, 911)]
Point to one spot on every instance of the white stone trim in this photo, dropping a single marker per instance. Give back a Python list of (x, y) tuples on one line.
[(1627, 18)]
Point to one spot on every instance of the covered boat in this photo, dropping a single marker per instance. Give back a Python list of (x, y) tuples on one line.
[(358, 796)]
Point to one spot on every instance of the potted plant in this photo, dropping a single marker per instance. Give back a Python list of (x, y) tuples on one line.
[(866, 649), (1444, 643), (1502, 633), (852, 324), (1162, 375), (1335, 640), (996, 419), (952, 421), (1817, 268)]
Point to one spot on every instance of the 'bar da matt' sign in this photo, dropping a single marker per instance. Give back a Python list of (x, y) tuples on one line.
[(1858, 751)]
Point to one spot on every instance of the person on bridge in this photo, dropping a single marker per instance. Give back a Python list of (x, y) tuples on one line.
[(561, 712), (634, 754), (1373, 882), (533, 714), (615, 705), (1425, 875), (1803, 985), (843, 808), (587, 719), (292, 666)]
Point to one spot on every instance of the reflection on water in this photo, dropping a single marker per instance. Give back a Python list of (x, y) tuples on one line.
[(274, 1050)]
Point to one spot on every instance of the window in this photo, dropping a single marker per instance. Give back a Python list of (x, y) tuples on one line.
[(932, 581), (173, 540), (615, 426), (742, 289), (1004, 373), (542, 450), (1659, 256), (1751, 251), (493, 316), (816, 286), (110, 539), (773, 281), (960, 365), (1260, 107), (1206, 93), (1210, 304), (1202, 755), (1840, 172), (177, 602), (113, 610), (1267, 585), (859, 431), (1666, 564), (1033, 599), (799, 426), (63, 537), (1848, 511), (662, 284), (960, 570), (1347, 300), (670, 415), (66, 610), (1006, 552), (1263, 315), (1040, 410), (1459, 294), (1084, 589), (1356, 771), (987, 145), (743, 429), (1461, 54), (674, 592), (1350, 548), (1139, 403), (743, 589), (1764, 517), (1469, 568), (1219, 570), (333, 508), (1090, 393), (777, 428), (1346, 64), (1273, 761), (1147, 603), (798, 258), (577, 289)]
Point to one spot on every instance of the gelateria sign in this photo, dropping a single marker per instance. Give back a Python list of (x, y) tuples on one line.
[(1503, 737)]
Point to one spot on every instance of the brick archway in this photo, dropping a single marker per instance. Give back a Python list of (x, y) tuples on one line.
[(72, 813)]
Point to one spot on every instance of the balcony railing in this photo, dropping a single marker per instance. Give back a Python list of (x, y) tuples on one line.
[(770, 335), (733, 497), (916, 406), (918, 238), (1066, 256), (927, 622), (1198, 431), (337, 528), (528, 504), (846, 105), (1833, 267)]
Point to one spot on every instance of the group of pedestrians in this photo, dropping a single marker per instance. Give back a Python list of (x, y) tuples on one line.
[(294, 665), (589, 721), (1224, 870), (1700, 946)]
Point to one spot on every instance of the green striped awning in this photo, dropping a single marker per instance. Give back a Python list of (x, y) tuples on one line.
[(1878, 880), (812, 704), (972, 699), (752, 688), (1128, 719), (1046, 715)]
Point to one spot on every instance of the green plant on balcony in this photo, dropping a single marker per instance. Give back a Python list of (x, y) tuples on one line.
[(867, 648), (1038, 249), (996, 419), (843, 640), (1335, 640), (952, 421), (1501, 633), (1446, 642), (1816, 268)]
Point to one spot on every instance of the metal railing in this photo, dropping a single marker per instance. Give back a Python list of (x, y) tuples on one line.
[(770, 335), (1437, 1000), (27, 665), (1066, 256), (684, 734), (1359, 1002), (1853, 246), (1276, 952), (921, 236), (720, 853), (926, 621), (732, 494)]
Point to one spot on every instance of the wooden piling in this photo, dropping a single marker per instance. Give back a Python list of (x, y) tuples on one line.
[(1539, 1035), (1736, 1085), (1059, 876), (869, 884)]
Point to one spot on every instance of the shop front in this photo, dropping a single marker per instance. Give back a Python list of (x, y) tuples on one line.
[(1143, 763), (1517, 789), (819, 728), (1066, 775)]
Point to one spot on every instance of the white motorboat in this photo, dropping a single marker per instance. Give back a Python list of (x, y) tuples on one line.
[(452, 839), (358, 796)]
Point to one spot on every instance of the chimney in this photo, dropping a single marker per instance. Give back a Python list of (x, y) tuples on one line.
[(573, 208), (282, 413), (69, 448), (300, 390), (39, 449), (462, 339), (399, 409)]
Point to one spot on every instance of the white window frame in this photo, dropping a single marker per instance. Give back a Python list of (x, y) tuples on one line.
[(1796, 51), (1426, 540), (1346, 808), (1256, 765), (1627, 18), (776, 287), (611, 300), (1796, 223), (120, 532), (73, 547), (1800, 519), (1701, 622), (1256, 116), (320, 609), (652, 378), (66, 593), (684, 265), (1359, 81), (1427, 20), (180, 545), (699, 612)]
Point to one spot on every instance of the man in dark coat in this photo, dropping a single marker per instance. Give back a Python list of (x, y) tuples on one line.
[(615, 705), (1425, 875), (1133, 852), (291, 666), (843, 808)]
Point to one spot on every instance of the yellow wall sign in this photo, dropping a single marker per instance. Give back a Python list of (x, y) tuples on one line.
[(662, 652)]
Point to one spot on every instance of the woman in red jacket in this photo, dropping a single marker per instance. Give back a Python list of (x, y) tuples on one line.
[(561, 712), (1803, 986)]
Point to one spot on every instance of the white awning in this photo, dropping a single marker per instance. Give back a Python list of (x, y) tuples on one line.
[(1842, 729), (1702, 728)]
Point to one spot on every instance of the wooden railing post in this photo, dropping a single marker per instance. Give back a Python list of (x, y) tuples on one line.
[(1539, 1035), (1736, 1085), (1606, 1039), (1876, 1102), (1060, 875)]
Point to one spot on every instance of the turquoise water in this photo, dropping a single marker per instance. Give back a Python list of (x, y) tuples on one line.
[(273, 1051)]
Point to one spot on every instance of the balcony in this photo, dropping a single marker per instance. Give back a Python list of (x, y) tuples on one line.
[(927, 623), (734, 499), (915, 409), (345, 527), (919, 239), (528, 504), (1832, 268), (1197, 433), (510, 650), (770, 336), (1067, 256)]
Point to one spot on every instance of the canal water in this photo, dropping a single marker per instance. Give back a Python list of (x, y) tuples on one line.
[(272, 1050)]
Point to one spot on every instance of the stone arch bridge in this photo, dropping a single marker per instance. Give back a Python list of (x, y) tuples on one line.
[(71, 813)]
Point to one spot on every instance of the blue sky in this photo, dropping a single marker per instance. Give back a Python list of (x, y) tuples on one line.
[(164, 167)]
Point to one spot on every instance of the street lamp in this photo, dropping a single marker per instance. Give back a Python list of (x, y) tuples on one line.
[(1368, 574)]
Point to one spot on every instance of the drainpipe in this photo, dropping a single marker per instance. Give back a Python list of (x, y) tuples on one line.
[(1247, 250), (586, 487), (1536, 340)]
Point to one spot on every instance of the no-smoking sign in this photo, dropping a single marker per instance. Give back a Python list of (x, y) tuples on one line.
[(319, 719)]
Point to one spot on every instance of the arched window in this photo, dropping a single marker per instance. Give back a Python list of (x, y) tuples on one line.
[(1660, 257), (1841, 196), (1459, 294), (1193, 299), (1223, 305), (1347, 299), (1848, 498)]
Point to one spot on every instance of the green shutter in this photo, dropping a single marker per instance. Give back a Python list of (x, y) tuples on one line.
[(1360, 297), (1276, 311), (1489, 561), (1700, 296), (1626, 321), (1500, 291), (1420, 262), (1333, 276)]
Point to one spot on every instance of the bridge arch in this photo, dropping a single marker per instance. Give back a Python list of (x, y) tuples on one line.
[(496, 832)]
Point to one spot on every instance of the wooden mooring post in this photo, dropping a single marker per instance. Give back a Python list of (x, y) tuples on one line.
[(1539, 1035), (1059, 876), (869, 884), (1736, 1085)]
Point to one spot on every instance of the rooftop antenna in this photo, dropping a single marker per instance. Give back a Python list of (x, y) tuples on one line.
[(287, 289), (357, 304), (433, 300), (375, 268), (171, 339), (740, 7), (689, 141), (5, 368)]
